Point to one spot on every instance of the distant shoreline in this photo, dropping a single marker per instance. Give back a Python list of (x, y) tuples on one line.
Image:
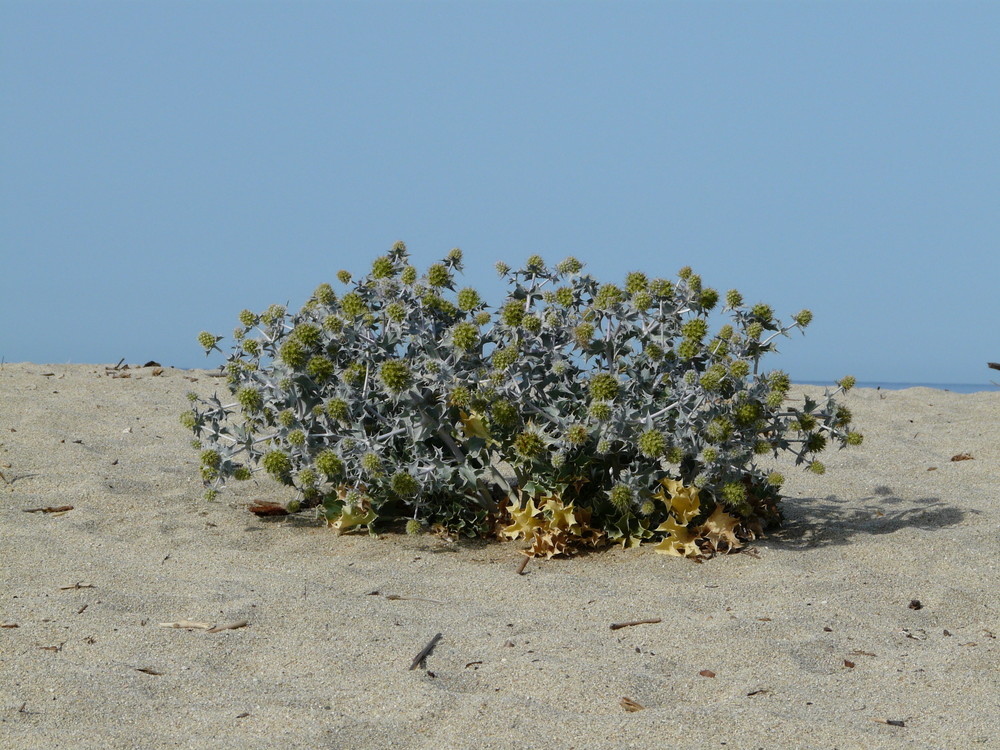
[(892, 386)]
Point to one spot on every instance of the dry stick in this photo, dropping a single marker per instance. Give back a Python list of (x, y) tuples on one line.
[(618, 625), (523, 565), (57, 509), (425, 652)]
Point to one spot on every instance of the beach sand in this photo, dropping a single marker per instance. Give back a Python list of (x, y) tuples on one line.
[(878, 601)]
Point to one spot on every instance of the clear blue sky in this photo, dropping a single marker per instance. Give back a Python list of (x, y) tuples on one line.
[(164, 165)]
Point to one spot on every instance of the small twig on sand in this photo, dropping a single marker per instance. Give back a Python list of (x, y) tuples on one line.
[(523, 565), (425, 652), (619, 625), (78, 585), (57, 509)]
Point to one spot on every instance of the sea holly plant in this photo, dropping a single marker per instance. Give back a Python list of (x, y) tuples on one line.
[(618, 415)]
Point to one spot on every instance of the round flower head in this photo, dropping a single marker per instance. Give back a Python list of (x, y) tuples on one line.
[(843, 416), (762, 311), (855, 438), (286, 418), (718, 430), (395, 375), (803, 318), (775, 479), (395, 312), (647, 508), (242, 473), (817, 468), (604, 446), (336, 408), (468, 299), (207, 340), (309, 334), (211, 495), (661, 288), (502, 269), (414, 527), (621, 498), (608, 295), (688, 349), (652, 444), (528, 445), (465, 336), (747, 413), (564, 296), (654, 351), (734, 494), (438, 275), (352, 305), (293, 353), (409, 275), (249, 399), (847, 382), (459, 396), (815, 443), (482, 318), (535, 264), (308, 478), (403, 484), (455, 255), (709, 299), (603, 387), (354, 373), (247, 318), (273, 314), (320, 368), (382, 268), (733, 299), (371, 463), (344, 277), (685, 272), (278, 465), (694, 283), (636, 281), (504, 358), (398, 248), (642, 301), (582, 333), (251, 347), (333, 324), (330, 464), (211, 459), (512, 313), (601, 412), (297, 438), (754, 331), (709, 455), (325, 295), (571, 265), (188, 419), (504, 414), (713, 378), (531, 323), (577, 434), (695, 330), (739, 369)]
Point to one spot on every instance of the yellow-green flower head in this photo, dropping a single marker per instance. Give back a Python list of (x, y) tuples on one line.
[(734, 494), (817, 468), (207, 340), (535, 264), (636, 281), (608, 295), (603, 387), (762, 311), (403, 484), (583, 333), (330, 464), (855, 438), (344, 276), (438, 275), (775, 399), (688, 349), (438, 303), (395, 312), (843, 416), (414, 527), (211, 459), (432, 367), (529, 445), (709, 299), (604, 446), (754, 331), (238, 334), (551, 319), (779, 381), (396, 375), (348, 444), (803, 318), (354, 373), (725, 333), (504, 358), (249, 399), (713, 378), (815, 443), (806, 422), (577, 434), (297, 438), (371, 463), (674, 454), (564, 296), (549, 297), (325, 295), (621, 498), (251, 347), (685, 272), (468, 299), (293, 353), (847, 382), (459, 396), (465, 336), (308, 478), (570, 265), (236, 366), (188, 419), (691, 376), (601, 411), (211, 495), (652, 444), (695, 329), (320, 368), (654, 351), (352, 305), (531, 323), (502, 269), (775, 479), (455, 255), (482, 318), (642, 301), (512, 313), (733, 299), (398, 248), (286, 418), (278, 465), (241, 473), (709, 455), (191, 396), (333, 324), (559, 368), (739, 369), (382, 268), (247, 318), (661, 288), (694, 283), (718, 430), (558, 460), (309, 334), (409, 275), (747, 413), (273, 314), (504, 414), (336, 408)]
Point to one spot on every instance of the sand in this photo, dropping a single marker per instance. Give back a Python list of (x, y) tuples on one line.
[(877, 602)]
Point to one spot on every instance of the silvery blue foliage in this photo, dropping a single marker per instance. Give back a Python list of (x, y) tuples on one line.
[(401, 396)]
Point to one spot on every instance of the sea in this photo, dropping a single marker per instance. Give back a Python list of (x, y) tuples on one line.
[(886, 386)]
